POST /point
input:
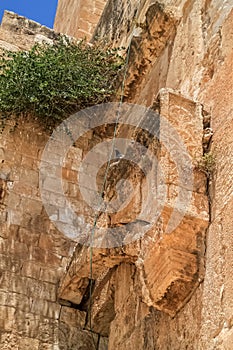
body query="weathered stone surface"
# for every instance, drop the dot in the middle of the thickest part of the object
(32, 251)
(183, 45)
(74, 318)
(103, 311)
(103, 344)
(197, 60)
(18, 32)
(192, 75)
(85, 16)
(168, 266)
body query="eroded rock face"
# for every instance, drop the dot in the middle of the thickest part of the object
(198, 62)
(33, 253)
(20, 33)
(167, 267)
(148, 294)
(196, 59)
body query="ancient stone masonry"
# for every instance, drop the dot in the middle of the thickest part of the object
(17, 32)
(163, 290)
(78, 18)
(187, 46)
(152, 30)
(33, 254)
(167, 267)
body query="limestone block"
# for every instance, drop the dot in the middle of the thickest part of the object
(7, 318)
(18, 284)
(72, 317)
(185, 120)
(55, 242)
(41, 39)
(30, 269)
(31, 206)
(85, 17)
(3, 298)
(39, 306)
(130, 310)
(27, 324)
(103, 344)
(37, 254)
(47, 274)
(74, 291)
(13, 201)
(20, 250)
(54, 310)
(19, 301)
(170, 276)
(53, 259)
(103, 304)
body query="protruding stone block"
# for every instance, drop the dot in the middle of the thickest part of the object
(170, 259)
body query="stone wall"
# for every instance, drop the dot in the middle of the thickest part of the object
(18, 32)
(33, 253)
(183, 45)
(155, 271)
(197, 61)
(78, 18)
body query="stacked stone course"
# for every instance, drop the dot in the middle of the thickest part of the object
(33, 254)
(181, 45)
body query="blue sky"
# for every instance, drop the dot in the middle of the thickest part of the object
(42, 11)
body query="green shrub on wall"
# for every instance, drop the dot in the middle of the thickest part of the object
(51, 82)
(206, 164)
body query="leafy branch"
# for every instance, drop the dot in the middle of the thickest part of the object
(51, 82)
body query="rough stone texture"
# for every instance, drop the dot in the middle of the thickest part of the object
(185, 45)
(17, 32)
(33, 254)
(167, 267)
(78, 18)
(197, 62)
(217, 296)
